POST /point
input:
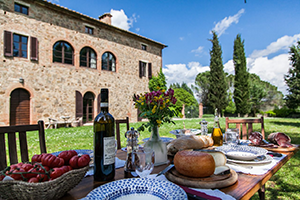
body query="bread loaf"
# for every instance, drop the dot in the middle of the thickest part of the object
(189, 142)
(194, 163)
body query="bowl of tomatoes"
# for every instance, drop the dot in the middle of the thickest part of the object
(47, 176)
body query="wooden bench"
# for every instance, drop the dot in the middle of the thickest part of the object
(55, 123)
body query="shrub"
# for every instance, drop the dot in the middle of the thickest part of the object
(270, 113)
(283, 112)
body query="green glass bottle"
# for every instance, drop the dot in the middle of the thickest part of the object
(104, 142)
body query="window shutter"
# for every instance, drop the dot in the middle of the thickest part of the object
(98, 102)
(79, 104)
(140, 69)
(8, 43)
(34, 48)
(149, 70)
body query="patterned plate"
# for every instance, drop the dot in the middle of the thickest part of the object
(138, 188)
(242, 152)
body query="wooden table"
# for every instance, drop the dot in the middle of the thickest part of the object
(244, 188)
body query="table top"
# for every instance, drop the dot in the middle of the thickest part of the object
(246, 186)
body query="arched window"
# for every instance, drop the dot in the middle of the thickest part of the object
(108, 62)
(88, 58)
(63, 52)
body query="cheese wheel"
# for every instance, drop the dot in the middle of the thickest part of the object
(194, 163)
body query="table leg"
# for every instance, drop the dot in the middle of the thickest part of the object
(261, 192)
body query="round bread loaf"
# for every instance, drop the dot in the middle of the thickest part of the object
(194, 163)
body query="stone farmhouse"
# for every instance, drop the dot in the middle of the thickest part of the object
(55, 61)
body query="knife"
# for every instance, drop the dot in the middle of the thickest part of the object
(165, 170)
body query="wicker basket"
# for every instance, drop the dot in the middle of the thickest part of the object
(45, 190)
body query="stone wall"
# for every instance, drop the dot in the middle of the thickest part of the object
(51, 85)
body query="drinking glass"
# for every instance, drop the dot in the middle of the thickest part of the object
(232, 136)
(144, 162)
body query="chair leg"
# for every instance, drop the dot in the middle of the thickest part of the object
(261, 192)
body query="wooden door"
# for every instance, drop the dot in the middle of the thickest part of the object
(88, 107)
(19, 107)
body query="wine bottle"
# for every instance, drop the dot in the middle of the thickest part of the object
(104, 142)
(217, 135)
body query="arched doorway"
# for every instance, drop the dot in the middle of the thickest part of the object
(88, 107)
(19, 107)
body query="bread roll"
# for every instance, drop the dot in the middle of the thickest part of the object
(194, 163)
(189, 142)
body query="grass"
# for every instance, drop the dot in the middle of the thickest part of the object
(285, 184)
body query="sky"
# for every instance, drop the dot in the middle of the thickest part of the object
(268, 27)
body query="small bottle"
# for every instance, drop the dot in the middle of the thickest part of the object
(132, 147)
(104, 142)
(203, 127)
(217, 135)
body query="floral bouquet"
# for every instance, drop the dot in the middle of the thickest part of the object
(157, 107)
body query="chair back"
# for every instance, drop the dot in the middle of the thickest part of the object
(118, 122)
(247, 126)
(12, 144)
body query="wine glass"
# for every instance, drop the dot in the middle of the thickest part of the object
(144, 162)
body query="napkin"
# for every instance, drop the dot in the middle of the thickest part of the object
(118, 164)
(205, 193)
(258, 169)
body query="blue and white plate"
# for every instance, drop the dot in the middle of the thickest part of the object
(138, 188)
(242, 152)
(79, 151)
(182, 132)
(166, 140)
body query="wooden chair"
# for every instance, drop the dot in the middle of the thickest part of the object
(246, 129)
(12, 145)
(118, 122)
(245, 132)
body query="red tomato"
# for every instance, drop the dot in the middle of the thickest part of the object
(37, 158)
(42, 177)
(33, 180)
(16, 174)
(52, 161)
(1, 177)
(67, 155)
(57, 172)
(27, 166)
(65, 168)
(79, 161)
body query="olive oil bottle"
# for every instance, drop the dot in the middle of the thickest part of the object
(217, 135)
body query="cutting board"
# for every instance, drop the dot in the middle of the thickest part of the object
(279, 149)
(211, 182)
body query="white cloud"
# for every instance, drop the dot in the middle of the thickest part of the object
(221, 26)
(179, 73)
(120, 19)
(271, 70)
(181, 38)
(198, 51)
(282, 43)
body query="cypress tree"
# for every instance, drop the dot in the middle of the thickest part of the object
(292, 79)
(241, 92)
(217, 94)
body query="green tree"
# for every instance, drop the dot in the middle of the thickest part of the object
(241, 92)
(217, 93)
(201, 87)
(257, 93)
(158, 82)
(292, 79)
(191, 104)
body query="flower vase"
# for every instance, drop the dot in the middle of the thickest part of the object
(158, 146)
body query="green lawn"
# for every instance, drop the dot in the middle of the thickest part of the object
(285, 184)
